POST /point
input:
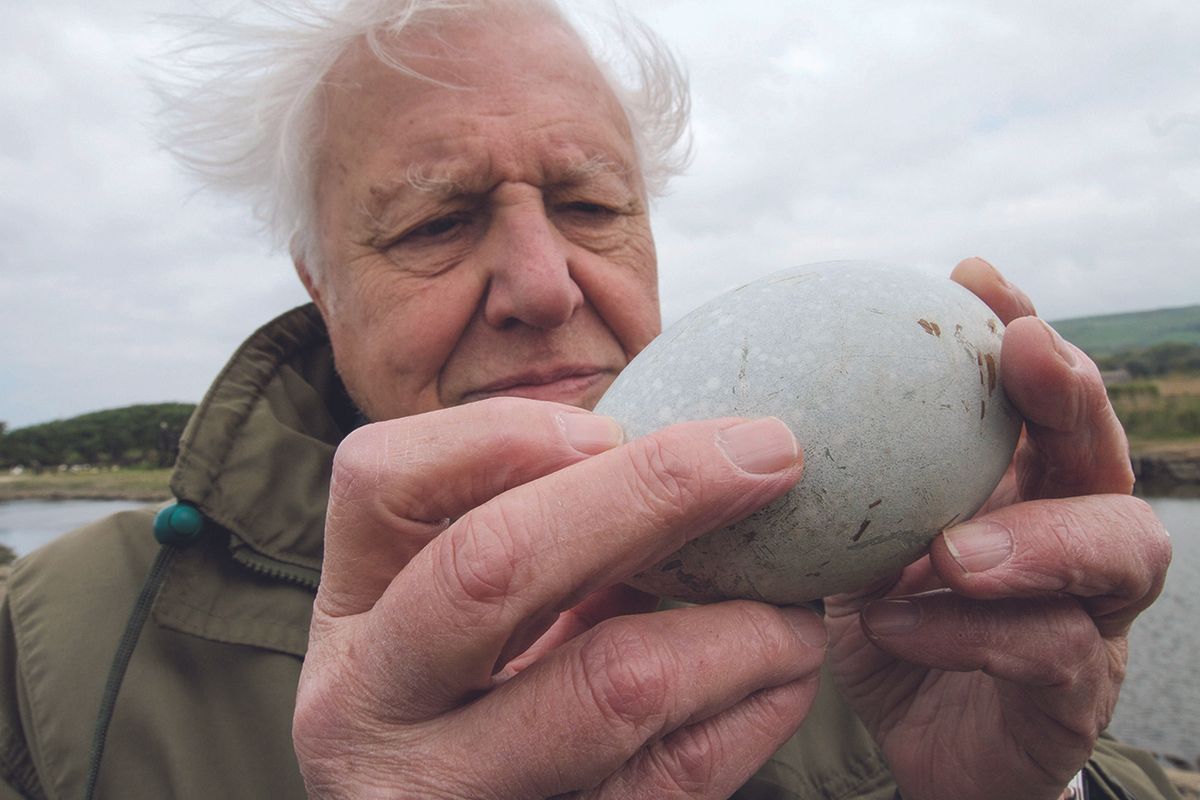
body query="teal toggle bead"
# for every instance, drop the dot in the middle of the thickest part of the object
(179, 524)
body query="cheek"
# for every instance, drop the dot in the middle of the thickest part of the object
(624, 292)
(392, 340)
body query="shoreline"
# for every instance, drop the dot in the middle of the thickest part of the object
(1167, 469)
(56, 495)
(133, 485)
(1162, 469)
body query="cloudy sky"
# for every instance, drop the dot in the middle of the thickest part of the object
(1060, 139)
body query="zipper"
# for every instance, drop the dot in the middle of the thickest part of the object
(273, 568)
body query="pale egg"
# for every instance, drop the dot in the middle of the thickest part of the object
(890, 380)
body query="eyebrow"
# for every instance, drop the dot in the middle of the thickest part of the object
(446, 183)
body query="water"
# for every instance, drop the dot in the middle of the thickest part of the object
(1160, 702)
(28, 524)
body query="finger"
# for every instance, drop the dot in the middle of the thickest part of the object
(505, 570)
(633, 681)
(615, 601)
(396, 484)
(1046, 646)
(916, 578)
(1075, 443)
(1109, 550)
(713, 758)
(986, 282)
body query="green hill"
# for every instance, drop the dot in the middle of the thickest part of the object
(1146, 343)
(141, 435)
(1140, 330)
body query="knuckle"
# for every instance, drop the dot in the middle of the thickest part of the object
(687, 763)
(663, 476)
(626, 677)
(502, 420)
(1149, 541)
(476, 565)
(358, 463)
(335, 734)
(519, 428)
(1061, 557)
(1068, 531)
(772, 712)
(503, 408)
(1078, 644)
(1148, 528)
(1117, 663)
(774, 640)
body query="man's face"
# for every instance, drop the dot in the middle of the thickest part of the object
(489, 237)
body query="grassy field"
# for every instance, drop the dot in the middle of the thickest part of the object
(1161, 416)
(1107, 334)
(130, 484)
(1161, 412)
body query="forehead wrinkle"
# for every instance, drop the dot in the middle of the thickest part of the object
(442, 182)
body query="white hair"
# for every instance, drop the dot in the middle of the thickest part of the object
(240, 94)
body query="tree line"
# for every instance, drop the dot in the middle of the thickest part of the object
(148, 435)
(134, 436)
(1150, 362)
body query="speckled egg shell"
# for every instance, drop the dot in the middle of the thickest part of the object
(890, 380)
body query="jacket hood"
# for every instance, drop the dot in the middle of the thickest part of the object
(256, 455)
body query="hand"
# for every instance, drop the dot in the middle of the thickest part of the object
(421, 679)
(989, 668)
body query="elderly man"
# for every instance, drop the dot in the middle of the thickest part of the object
(476, 240)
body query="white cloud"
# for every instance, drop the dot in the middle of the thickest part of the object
(1056, 139)
(1060, 139)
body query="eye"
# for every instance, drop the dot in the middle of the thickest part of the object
(586, 211)
(437, 228)
(591, 209)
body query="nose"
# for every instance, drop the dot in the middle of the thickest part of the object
(530, 277)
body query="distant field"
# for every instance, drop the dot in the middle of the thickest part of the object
(1110, 333)
(1155, 411)
(132, 484)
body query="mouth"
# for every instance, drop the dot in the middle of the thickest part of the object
(566, 385)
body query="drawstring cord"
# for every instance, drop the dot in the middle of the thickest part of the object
(116, 673)
(174, 527)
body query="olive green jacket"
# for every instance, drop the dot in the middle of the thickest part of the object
(206, 706)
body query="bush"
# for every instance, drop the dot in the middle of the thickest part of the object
(1161, 359)
(142, 435)
(1174, 417)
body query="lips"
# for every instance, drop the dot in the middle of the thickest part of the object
(564, 385)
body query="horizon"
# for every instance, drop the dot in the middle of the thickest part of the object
(1062, 146)
(11, 428)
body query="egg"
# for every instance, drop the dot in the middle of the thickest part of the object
(890, 380)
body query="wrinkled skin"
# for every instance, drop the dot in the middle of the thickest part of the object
(471, 636)
(997, 677)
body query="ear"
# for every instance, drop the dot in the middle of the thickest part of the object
(310, 285)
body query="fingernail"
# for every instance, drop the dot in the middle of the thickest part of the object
(890, 617)
(759, 447)
(979, 546)
(590, 433)
(1065, 351)
(807, 625)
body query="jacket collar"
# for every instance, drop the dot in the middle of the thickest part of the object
(257, 453)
